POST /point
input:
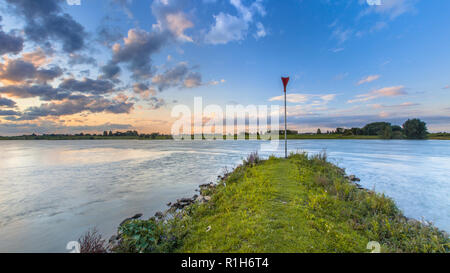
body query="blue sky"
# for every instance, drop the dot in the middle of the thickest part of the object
(96, 65)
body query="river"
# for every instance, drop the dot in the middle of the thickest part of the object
(51, 192)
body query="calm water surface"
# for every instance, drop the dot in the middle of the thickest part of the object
(53, 191)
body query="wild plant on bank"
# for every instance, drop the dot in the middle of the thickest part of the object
(92, 242)
(252, 159)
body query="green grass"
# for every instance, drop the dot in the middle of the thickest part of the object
(295, 205)
(330, 136)
(439, 136)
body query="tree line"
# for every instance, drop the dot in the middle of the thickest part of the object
(411, 129)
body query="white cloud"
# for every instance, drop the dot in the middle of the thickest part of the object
(261, 31)
(341, 35)
(177, 24)
(393, 8)
(228, 28)
(393, 91)
(74, 2)
(368, 79)
(303, 98)
(170, 17)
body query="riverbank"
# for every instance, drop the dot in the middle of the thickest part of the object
(296, 205)
(290, 137)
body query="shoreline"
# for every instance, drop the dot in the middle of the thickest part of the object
(186, 208)
(169, 139)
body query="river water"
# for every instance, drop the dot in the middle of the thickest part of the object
(51, 192)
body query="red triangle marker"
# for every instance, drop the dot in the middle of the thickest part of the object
(285, 82)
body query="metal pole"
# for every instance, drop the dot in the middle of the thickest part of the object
(285, 126)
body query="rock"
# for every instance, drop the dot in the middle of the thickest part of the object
(207, 198)
(200, 199)
(169, 204)
(353, 178)
(135, 217)
(159, 215)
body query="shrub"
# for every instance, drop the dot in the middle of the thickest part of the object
(252, 159)
(92, 242)
(147, 236)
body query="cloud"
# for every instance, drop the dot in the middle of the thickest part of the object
(37, 57)
(303, 98)
(172, 77)
(228, 28)
(137, 49)
(110, 71)
(65, 89)
(177, 24)
(76, 59)
(77, 104)
(5, 102)
(19, 70)
(368, 79)
(9, 113)
(446, 87)
(261, 31)
(45, 19)
(337, 50)
(144, 90)
(10, 43)
(192, 80)
(383, 92)
(43, 91)
(87, 85)
(402, 105)
(171, 18)
(178, 76)
(341, 35)
(155, 103)
(392, 8)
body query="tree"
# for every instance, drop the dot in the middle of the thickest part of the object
(105, 133)
(387, 132)
(376, 128)
(319, 132)
(110, 133)
(339, 130)
(415, 129)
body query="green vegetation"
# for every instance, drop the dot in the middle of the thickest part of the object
(441, 136)
(300, 204)
(412, 129)
(81, 136)
(415, 129)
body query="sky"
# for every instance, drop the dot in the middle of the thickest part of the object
(70, 66)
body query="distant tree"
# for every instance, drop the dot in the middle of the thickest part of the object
(415, 129)
(386, 133)
(319, 132)
(339, 130)
(396, 128)
(357, 131)
(375, 129)
(105, 133)
(110, 133)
